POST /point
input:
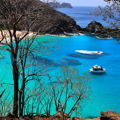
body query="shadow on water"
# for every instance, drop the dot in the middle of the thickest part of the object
(45, 61)
(71, 62)
(87, 56)
(104, 73)
(52, 63)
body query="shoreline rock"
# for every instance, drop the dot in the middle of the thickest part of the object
(109, 115)
(96, 29)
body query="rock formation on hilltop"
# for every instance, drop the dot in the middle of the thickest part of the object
(58, 5)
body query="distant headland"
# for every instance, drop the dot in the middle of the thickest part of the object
(58, 5)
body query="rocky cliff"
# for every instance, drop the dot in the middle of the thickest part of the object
(55, 22)
(43, 19)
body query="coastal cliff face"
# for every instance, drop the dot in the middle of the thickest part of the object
(54, 22)
(51, 21)
(58, 5)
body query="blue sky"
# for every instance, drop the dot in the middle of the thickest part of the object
(84, 2)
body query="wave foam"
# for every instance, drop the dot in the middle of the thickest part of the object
(88, 52)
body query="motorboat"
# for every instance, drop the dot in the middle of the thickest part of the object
(97, 69)
(68, 34)
(89, 52)
(80, 34)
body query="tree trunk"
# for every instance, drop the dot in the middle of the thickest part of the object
(23, 97)
(15, 77)
(20, 96)
(15, 104)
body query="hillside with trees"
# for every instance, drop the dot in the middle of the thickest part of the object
(50, 21)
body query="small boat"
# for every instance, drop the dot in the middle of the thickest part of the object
(80, 34)
(96, 69)
(68, 34)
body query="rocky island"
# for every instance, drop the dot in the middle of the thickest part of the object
(58, 5)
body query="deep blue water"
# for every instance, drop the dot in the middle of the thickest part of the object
(82, 15)
(106, 87)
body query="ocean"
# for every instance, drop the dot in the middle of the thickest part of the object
(105, 88)
(82, 15)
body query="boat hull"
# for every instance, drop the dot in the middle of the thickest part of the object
(97, 71)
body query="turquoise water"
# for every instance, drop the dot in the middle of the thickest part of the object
(105, 88)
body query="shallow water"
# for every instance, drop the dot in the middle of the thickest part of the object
(105, 88)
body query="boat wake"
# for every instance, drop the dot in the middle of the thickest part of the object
(89, 52)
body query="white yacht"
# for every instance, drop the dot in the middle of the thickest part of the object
(97, 69)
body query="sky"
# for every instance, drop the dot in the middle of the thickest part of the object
(84, 2)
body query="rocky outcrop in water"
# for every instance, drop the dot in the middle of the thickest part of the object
(58, 5)
(94, 27)
(66, 5)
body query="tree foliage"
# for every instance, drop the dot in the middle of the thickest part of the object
(70, 90)
(110, 13)
(22, 15)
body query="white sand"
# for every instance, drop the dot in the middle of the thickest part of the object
(18, 34)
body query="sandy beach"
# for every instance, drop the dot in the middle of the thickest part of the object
(18, 34)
